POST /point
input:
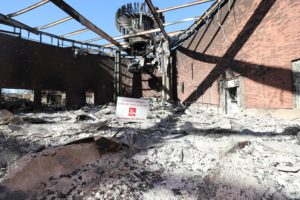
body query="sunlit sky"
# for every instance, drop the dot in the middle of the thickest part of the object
(100, 12)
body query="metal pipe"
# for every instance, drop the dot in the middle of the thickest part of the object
(28, 9)
(75, 32)
(54, 23)
(141, 33)
(145, 32)
(183, 6)
(84, 21)
(181, 21)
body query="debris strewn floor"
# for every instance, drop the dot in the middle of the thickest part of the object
(176, 154)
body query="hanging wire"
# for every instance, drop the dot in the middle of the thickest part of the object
(219, 20)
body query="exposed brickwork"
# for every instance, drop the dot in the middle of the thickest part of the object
(30, 65)
(137, 89)
(262, 39)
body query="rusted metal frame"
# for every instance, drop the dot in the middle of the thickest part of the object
(157, 19)
(183, 6)
(181, 21)
(137, 34)
(75, 32)
(145, 32)
(202, 19)
(54, 23)
(80, 18)
(69, 40)
(28, 9)
(14, 23)
(11, 22)
(10, 32)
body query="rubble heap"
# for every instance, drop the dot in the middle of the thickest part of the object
(178, 153)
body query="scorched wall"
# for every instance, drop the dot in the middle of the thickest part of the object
(254, 39)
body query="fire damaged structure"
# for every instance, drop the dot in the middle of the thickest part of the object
(238, 56)
(210, 111)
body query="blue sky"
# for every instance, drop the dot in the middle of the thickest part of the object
(100, 12)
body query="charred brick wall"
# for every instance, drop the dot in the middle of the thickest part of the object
(255, 39)
(30, 65)
(136, 84)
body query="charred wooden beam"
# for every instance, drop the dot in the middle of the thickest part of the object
(84, 21)
(157, 19)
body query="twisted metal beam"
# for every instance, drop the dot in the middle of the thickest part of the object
(157, 19)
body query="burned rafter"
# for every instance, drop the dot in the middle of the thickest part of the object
(157, 18)
(137, 34)
(11, 22)
(145, 32)
(34, 6)
(54, 23)
(84, 21)
(75, 32)
(14, 23)
(135, 9)
(183, 6)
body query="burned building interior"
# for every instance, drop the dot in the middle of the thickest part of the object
(207, 111)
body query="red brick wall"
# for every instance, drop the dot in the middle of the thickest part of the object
(140, 88)
(262, 39)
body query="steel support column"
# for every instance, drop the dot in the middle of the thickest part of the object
(117, 76)
(37, 102)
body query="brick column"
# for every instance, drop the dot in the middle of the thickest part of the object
(75, 99)
(37, 100)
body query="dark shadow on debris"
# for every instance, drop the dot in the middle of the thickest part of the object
(220, 132)
(7, 194)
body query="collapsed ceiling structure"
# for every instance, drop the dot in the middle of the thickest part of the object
(146, 42)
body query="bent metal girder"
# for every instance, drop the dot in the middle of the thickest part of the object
(84, 21)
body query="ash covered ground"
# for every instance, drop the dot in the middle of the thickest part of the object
(177, 153)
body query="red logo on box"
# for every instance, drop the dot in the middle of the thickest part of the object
(132, 112)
